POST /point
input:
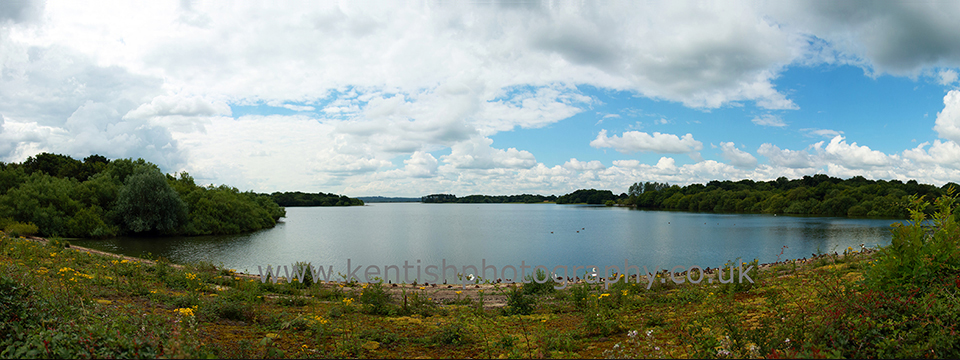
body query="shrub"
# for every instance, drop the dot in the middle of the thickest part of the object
(376, 299)
(919, 256)
(533, 287)
(519, 303)
(18, 229)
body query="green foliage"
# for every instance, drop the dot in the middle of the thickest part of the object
(532, 287)
(14, 307)
(100, 198)
(583, 196)
(811, 195)
(226, 210)
(376, 299)
(16, 229)
(147, 203)
(519, 303)
(920, 255)
(453, 333)
(43, 200)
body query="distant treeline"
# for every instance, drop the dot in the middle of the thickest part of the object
(57, 195)
(592, 196)
(499, 199)
(811, 195)
(319, 199)
(381, 199)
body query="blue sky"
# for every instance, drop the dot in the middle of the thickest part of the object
(413, 98)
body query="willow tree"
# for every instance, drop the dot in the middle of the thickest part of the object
(147, 203)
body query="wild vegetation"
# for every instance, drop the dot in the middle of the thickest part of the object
(900, 301)
(56, 195)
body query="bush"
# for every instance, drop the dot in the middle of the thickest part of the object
(533, 287)
(451, 334)
(18, 229)
(376, 299)
(519, 303)
(920, 256)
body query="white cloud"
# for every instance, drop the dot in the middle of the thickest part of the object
(945, 153)
(577, 165)
(477, 154)
(633, 141)
(786, 158)
(299, 107)
(900, 38)
(855, 157)
(737, 157)
(421, 165)
(948, 120)
(827, 133)
(400, 80)
(947, 77)
(769, 120)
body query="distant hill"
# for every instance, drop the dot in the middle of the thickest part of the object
(381, 199)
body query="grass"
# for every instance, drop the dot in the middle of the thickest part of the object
(58, 302)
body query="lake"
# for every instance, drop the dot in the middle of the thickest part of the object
(503, 235)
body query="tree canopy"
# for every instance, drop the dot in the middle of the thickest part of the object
(98, 197)
(810, 195)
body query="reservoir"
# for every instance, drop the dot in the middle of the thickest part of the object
(550, 235)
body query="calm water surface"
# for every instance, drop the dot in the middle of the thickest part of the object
(511, 234)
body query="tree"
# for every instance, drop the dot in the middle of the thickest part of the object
(147, 203)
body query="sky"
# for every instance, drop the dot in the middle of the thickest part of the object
(398, 98)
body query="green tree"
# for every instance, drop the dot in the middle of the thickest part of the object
(147, 203)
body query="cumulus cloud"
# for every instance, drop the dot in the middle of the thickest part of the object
(792, 159)
(421, 165)
(854, 157)
(900, 38)
(737, 157)
(633, 141)
(946, 153)
(372, 85)
(477, 154)
(948, 120)
(577, 165)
